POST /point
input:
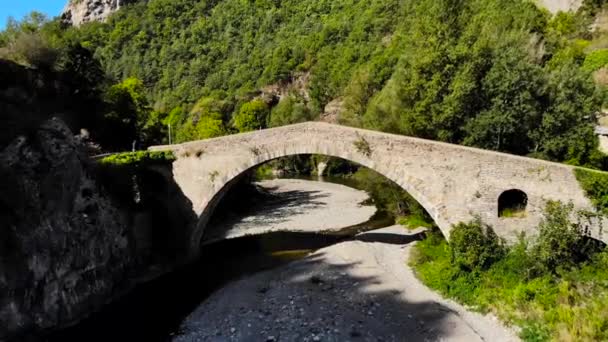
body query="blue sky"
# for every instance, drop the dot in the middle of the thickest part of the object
(19, 8)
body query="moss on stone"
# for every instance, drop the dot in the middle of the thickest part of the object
(138, 158)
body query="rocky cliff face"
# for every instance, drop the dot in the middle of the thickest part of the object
(64, 247)
(72, 237)
(78, 12)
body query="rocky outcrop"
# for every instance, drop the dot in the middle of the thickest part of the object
(75, 234)
(64, 247)
(555, 6)
(78, 12)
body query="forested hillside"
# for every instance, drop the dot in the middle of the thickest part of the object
(497, 74)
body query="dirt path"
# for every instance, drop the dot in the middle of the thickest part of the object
(359, 290)
(299, 206)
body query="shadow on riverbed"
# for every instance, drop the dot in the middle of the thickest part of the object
(156, 310)
(393, 239)
(318, 297)
(247, 200)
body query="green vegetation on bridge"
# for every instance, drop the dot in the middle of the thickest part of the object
(138, 158)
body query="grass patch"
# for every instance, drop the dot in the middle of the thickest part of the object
(563, 302)
(513, 213)
(414, 221)
(138, 158)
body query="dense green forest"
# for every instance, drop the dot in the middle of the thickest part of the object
(496, 74)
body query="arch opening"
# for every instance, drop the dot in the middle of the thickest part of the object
(292, 165)
(512, 204)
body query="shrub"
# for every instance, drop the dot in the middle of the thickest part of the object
(547, 304)
(474, 245)
(595, 184)
(35, 51)
(252, 116)
(561, 241)
(363, 146)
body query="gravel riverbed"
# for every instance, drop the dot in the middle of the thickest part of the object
(359, 290)
(299, 206)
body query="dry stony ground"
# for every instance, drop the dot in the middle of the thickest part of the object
(360, 290)
(299, 206)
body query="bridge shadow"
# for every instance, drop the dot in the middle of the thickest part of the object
(321, 296)
(389, 238)
(254, 206)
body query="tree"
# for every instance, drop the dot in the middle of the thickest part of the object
(251, 116)
(209, 125)
(128, 113)
(290, 110)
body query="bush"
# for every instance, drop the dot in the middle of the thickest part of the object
(474, 245)
(561, 242)
(595, 184)
(32, 49)
(252, 116)
(290, 110)
(525, 285)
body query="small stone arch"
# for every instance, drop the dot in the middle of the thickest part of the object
(512, 204)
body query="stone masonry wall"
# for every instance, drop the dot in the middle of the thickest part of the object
(453, 183)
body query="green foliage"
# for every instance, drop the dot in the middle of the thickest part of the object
(389, 196)
(33, 50)
(595, 185)
(512, 212)
(423, 68)
(252, 116)
(520, 286)
(290, 110)
(414, 221)
(263, 172)
(475, 246)
(362, 146)
(596, 60)
(31, 42)
(138, 158)
(208, 126)
(560, 241)
(128, 111)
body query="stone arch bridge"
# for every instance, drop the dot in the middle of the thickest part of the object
(453, 183)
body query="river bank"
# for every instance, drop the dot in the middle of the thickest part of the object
(357, 290)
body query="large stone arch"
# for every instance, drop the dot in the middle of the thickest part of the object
(453, 183)
(242, 169)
